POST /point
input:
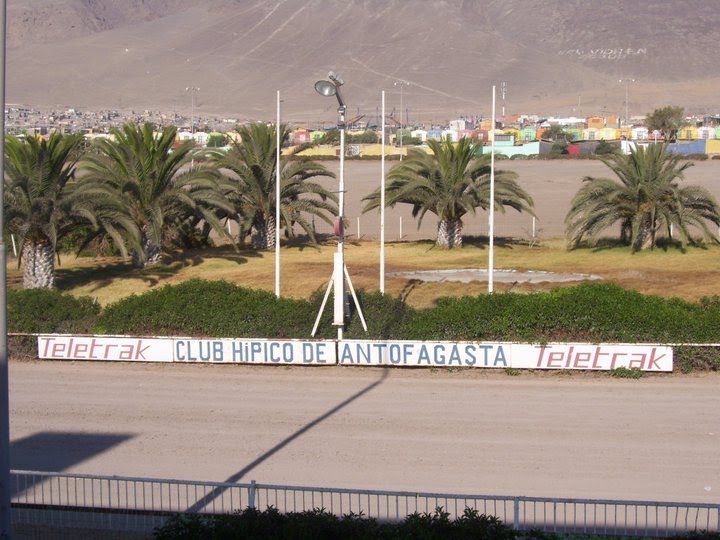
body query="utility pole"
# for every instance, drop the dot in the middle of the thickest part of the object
(503, 90)
(627, 99)
(193, 90)
(401, 84)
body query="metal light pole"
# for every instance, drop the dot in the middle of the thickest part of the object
(401, 84)
(491, 217)
(340, 306)
(192, 90)
(382, 200)
(627, 99)
(277, 199)
(503, 90)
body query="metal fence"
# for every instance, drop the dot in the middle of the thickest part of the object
(141, 504)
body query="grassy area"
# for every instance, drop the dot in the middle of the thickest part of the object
(306, 268)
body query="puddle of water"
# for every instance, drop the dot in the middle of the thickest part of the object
(508, 276)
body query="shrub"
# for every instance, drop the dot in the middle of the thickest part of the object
(319, 525)
(207, 308)
(588, 312)
(385, 316)
(592, 312)
(604, 148)
(626, 373)
(43, 311)
(49, 311)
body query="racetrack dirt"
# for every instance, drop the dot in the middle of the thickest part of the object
(551, 183)
(483, 432)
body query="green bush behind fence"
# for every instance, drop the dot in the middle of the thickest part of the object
(585, 313)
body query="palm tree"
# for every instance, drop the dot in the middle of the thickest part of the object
(160, 186)
(251, 166)
(44, 203)
(450, 182)
(644, 198)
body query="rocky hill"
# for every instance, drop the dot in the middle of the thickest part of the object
(558, 57)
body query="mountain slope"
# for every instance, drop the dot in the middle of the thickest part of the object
(557, 57)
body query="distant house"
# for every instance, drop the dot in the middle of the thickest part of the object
(590, 134)
(420, 134)
(639, 133)
(465, 134)
(688, 133)
(434, 134)
(512, 131)
(504, 139)
(300, 136)
(528, 134)
(201, 138)
(575, 134)
(459, 125)
(706, 132)
(609, 134)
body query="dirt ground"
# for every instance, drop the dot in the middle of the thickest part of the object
(551, 183)
(578, 435)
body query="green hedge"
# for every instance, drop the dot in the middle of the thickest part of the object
(318, 524)
(207, 309)
(44, 311)
(586, 313)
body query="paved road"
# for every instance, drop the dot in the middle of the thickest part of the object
(657, 438)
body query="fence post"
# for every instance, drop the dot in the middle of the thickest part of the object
(251, 494)
(516, 513)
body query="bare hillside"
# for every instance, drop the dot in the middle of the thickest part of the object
(557, 57)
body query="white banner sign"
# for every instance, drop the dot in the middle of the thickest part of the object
(255, 351)
(578, 356)
(424, 353)
(241, 351)
(593, 357)
(57, 347)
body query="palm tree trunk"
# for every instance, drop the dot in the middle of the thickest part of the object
(38, 264)
(150, 256)
(264, 231)
(449, 233)
(645, 236)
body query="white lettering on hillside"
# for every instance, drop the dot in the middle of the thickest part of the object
(612, 53)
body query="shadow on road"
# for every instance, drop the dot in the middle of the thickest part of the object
(217, 492)
(58, 451)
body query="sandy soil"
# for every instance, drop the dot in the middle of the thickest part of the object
(584, 435)
(552, 184)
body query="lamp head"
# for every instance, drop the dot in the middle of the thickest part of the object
(337, 79)
(325, 88)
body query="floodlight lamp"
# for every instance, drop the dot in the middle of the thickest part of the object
(325, 88)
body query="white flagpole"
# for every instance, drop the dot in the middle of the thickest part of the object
(491, 210)
(277, 199)
(382, 200)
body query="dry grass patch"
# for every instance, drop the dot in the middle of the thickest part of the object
(306, 269)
